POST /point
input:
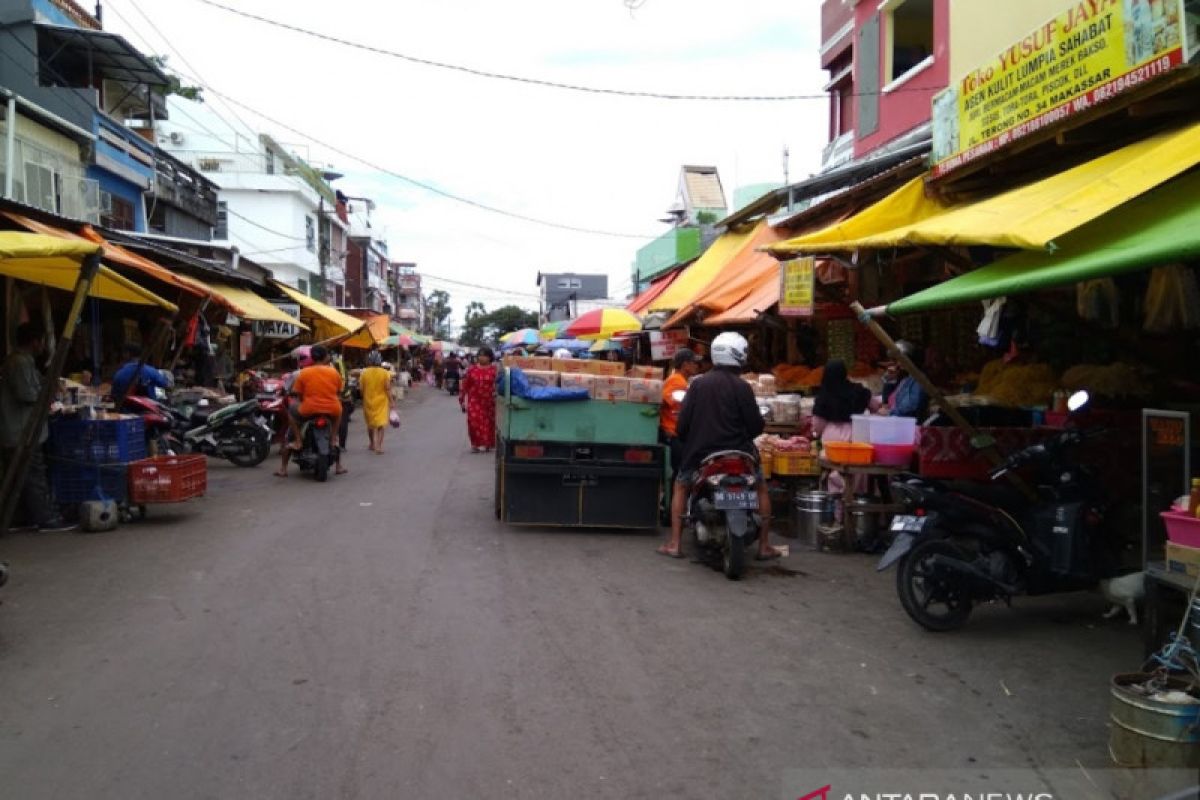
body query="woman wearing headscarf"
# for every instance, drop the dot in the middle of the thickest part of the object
(375, 384)
(838, 399)
(478, 400)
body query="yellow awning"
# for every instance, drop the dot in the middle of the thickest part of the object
(1029, 217)
(247, 305)
(376, 332)
(328, 322)
(700, 274)
(54, 262)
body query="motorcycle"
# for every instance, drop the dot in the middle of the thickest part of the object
(319, 448)
(451, 383)
(721, 510)
(271, 396)
(960, 544)
(237, 432)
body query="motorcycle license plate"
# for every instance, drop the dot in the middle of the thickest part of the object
(729, 500)
(579, 479)
(905, 524)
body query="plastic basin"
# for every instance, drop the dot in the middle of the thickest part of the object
(894, 455)
(1182, 528)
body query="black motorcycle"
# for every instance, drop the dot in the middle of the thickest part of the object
(962, 543)
(239, 432)
(722, 510)
(451, 383)
(319, 449)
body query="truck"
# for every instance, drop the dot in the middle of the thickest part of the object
(578, 463)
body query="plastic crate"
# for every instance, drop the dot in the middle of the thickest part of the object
(849, 452)
(75, 483)
(795, 463)
(168, 479)
(1182, 528)
(97, 441)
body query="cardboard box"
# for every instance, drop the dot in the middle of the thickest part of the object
(527, 363)
(612, 389)
(569, 365)
(648, 373)
(1183, 560)
(537, 377)
(645, 391)
(609, 369)
(573, 380)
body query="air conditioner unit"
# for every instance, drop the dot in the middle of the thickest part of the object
(177, 138)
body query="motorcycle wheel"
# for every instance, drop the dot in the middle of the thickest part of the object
(733, 558)
(260, 448)
(321, 468)
(922, 585)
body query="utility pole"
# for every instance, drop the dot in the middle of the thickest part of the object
(786, 154)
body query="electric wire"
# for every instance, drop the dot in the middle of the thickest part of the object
(482, 73)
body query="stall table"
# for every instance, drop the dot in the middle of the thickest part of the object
(1163, 590)
(850, 470)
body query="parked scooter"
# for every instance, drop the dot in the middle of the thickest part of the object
(271, 396)
(319, 448)
(960, 543)
(237, 433)
(721, 510)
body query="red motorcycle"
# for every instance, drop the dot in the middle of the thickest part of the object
(722, 508)
(271, 395)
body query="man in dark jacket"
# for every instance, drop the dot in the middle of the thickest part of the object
(719, 413)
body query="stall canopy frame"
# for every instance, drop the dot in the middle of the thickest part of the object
(54, 262)
(1030, 217)
(1158, 228)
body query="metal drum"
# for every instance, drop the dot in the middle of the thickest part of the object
(1149, 732)
(811, 510)
(864, 523)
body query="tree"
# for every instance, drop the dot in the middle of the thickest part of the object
(437, 316)
(484, 326)
(176, 86)
(472, 333)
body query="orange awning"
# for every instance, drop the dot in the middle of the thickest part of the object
(376, 332)
(113, 253)
(737, 279)
(764, 295)
(656, 287)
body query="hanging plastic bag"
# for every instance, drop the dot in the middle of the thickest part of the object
(1099, 301)
(1172, 300)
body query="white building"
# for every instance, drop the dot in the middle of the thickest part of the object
(274, 208)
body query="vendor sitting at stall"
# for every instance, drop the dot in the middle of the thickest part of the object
(902, 394)
(136, 377)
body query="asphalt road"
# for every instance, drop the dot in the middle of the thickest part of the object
(381, 636)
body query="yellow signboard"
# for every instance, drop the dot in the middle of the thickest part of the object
(797, 277)
(1091, 52)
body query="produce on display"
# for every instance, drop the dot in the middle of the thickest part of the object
(1017, 385)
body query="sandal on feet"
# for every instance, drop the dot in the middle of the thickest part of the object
(770, 555)
(279, 474)
(663, 550)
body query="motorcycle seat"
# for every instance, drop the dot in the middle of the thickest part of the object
(998, 495)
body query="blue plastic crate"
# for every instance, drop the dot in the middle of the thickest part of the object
(97, 441)
(76, 483)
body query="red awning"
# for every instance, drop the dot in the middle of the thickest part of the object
(657, 286)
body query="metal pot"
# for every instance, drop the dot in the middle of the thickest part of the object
(811, 510)
(864, 523)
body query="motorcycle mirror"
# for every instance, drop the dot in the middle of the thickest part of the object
(1078, 400)
(678, 395)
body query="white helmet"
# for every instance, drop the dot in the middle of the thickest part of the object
(562, 352)
(729, 350)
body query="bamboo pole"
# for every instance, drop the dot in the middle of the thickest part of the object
(14, 474)
(979, 441)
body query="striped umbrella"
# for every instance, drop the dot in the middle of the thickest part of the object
(521, 338)
(606, 346)
(553, 330)
(603, 323)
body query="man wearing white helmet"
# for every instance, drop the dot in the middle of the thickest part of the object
(719, 412)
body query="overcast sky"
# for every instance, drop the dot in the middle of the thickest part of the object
(585, 160)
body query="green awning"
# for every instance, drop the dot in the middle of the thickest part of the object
(1160, 227)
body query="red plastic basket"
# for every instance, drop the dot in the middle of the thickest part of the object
(167, 479)
(1182, 528)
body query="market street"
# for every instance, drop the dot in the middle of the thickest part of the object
(382, 636)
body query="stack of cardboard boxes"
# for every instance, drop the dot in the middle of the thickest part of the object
(604, 380)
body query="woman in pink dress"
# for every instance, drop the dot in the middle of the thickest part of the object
(477, 396)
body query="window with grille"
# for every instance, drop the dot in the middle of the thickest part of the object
(116, 212)
(221, 231)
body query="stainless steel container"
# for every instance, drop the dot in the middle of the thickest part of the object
(811, 510)
(865, 524)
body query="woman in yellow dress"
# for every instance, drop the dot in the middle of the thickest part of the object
(375, 385)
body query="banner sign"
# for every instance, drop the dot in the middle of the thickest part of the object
(1089, 54)
(270, 329)
(663, 344)
(796, 280)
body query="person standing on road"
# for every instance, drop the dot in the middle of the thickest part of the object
(718, 413)
(686, 366)
(375, 385)
(20, 387)
(478, 401)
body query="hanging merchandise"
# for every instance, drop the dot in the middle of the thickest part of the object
(1172, 299)
(1098, 301)
(989, 328)
(911, 328)
(840, 336)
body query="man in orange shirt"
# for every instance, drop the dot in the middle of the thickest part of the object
(319, 388)
(686, 366)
